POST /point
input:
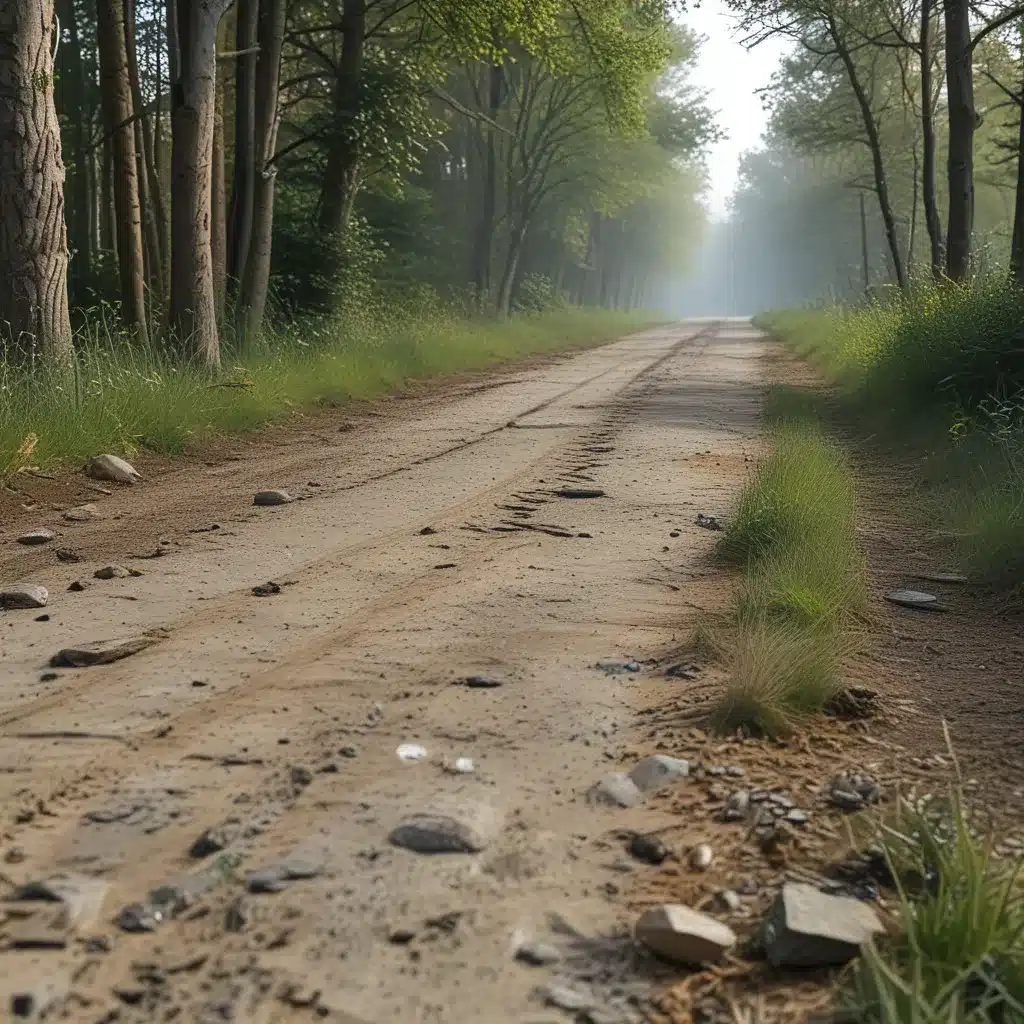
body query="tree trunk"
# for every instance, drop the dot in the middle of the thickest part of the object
(34, 319)
(245, 139)
(960, 165)
(341, 176)
(483, 247)
(154, 216)
(108, 218)
(1017, 241)
(253, 296)
(218, 207)
(928, 190)
(118, 123)
(78, 195)
(877, 161)
(193, 317)
(515, 247)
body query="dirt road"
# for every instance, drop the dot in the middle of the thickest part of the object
(431, 544)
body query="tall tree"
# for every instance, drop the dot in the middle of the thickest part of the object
(242, 195)
(193, 313)
(119, 124)
(960, 163)
(34, 318)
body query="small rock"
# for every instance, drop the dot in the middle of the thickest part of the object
(538, 954)
(737, 807)
(797, 817)
(77, 587)
(215, 839)
(707, 522)
(580, 492)
(648, 848)
(567, 998)
(615, 790)
(301, 776)
(808, 928)
(682, 671)
(701, 857)
(467, 827)
(912, 598)
(268, 499)
(238, 915)
(427, 531)
(267, 589)
(14, 855)
(24, 595)
(411, 752)
(110, 467)
(749, 887)
(728, 900)
(100, 653)
(267, 880)
(112, 572)
(483, 683)
(655, 772)
(81, 514)
(349, 752)
(618, 668)
(137, 917)
(35, 537)
(68, 556)
(684, 935)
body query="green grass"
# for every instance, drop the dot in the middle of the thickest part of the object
(958, 957)
(794, 534)
(938, 375)
(121, 399)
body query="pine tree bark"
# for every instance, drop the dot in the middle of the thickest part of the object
(933, 223)
(256, 279)
(218, 207)
(193, 313)
(960, 164)
(116, 96)
(34, 318)
(244, 182)
(483, 247)
(341, 176)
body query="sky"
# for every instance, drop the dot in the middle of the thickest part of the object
(730, 75)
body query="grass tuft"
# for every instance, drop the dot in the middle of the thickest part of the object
(794, 533)
(121, 399)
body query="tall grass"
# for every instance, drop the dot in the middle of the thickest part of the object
(959, 955)
(794, 534)
(943, 370)
(121, 398)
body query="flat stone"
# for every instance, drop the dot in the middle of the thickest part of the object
(278, 876)
(137, 917)
(738, 806)
(112, 572)
(655, 772)
(684, 935)
(483, 682)
(102, 652)
(110, 467)
(82, 514)
(911, 598)
(566, 997)
(35, 537)
(580, 492)
(648, 848)
(538, 954)
(24, 595)
(463, 827)
(615, 790)
(215, 839)
(268, 499)
(808, 928)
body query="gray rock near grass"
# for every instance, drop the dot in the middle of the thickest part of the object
(268, 499)
(684, 935)
(110, 467)
(655, 772)
(467, 827)
(809, 928)
(615, 790)
(36, 537)
(24, 595)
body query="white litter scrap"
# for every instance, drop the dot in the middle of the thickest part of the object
(411, 752)
(464, 765)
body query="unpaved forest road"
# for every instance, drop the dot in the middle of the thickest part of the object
(114, 771)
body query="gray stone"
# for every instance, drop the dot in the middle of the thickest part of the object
(483, 683)
(797, 817)
(102, 652)
(808, 928)
(737, 807)
(278, 876)
(35, 537)
(615, 790)
(112, 572)
(24, 595)
(654, 772)
(110, 467)
(301, 776)
(648, 848)
(911, 598)
(215, 839)
(81, 897)
(464, 827)
(567, 998)
(238, 915)
(268, 499)
(728, 900)
(701, 857)
(538, 954)
(137, 917)
(684, 935)
(82, 514)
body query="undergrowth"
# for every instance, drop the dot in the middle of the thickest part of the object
(940, 373)
(957, 956)
(794, 534)
(121, 398)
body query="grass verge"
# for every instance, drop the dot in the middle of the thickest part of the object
(122, 399)
(794, 535)
(959, 953)
(938, 375)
